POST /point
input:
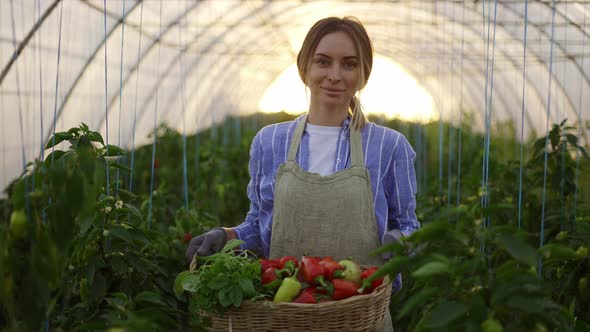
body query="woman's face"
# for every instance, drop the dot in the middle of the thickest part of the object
(335, 71)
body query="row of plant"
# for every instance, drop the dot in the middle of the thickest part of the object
(78, 252)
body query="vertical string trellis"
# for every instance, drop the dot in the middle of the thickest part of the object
(460, 109)
(155, 132)
(41, 145)
(20, 111)
(440, 122)
(135, 101)
(182, 87)
(61, 5)
(542, 235)
(580, 123)
(106, 96)
(486, 37)
(563, 146)
(3, 137)
(489, 113)
(120, 94)
(526, 17)
(451, 131)
(37, 48)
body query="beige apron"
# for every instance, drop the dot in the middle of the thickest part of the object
(325, 215)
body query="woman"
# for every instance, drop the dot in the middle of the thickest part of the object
(328, 183)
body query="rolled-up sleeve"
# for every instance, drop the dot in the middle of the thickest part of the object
(249, 230)
(401, 189)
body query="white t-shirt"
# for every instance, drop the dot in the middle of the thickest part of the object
(322, 148)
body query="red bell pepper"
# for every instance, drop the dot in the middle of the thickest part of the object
(269, 275)
(311, 271)
(332, 269)
(266, 263)
(306, 296)
(270, 279)
(342, 289)
(374, 283)
(283, 261)
(187, 238)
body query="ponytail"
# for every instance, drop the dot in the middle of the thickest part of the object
(358, 117)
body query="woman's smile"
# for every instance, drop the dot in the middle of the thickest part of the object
(333, 92)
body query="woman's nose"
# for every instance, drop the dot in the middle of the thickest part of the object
(334, 74)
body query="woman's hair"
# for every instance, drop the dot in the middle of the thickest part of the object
(356, 31)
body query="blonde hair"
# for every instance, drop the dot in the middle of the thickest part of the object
(356, 31)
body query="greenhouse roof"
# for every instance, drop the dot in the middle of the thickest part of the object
(124, 67)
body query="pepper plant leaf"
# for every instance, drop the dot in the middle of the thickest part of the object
(517, 248)
(445, 313)
(431, 269)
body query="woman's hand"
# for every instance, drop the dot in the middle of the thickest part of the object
(206, 244)
(209, 243)
(393, 236)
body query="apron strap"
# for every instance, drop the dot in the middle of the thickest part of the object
(356, 148)
(296, 138)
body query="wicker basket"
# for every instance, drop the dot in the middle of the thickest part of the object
(357, 313)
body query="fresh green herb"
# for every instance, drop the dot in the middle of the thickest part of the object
(222, 280)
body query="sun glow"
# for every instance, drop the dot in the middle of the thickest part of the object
(391, 92)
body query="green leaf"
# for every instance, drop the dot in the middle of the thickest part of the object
(125, 194)
(113, 150)
(431, 269)
(247, 287)
(418, 299)
(18, 194)
(55, 155)
(517, 248)
(557, 252)
(236, 296)
(572, 139)
(581, 326)
(219, 282)
(230, 245)
(84, 126)
(224, 297)
(121, 233)
(120, 166)
(190, 282)
(150, 298)
(431, 231)
(76, 193)
(57, 138)
(128, 233)
(445, 313)
(583, 150)
(133, 210)
(95, 137)
(392, 267)
(99, 288)
(524, 303)
(394, 247)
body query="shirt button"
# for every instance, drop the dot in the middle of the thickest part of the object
(343, 137)
(338, 161)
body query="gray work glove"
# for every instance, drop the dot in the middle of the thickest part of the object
(393, 236)
(206, 244)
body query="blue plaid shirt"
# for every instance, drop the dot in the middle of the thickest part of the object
(388, 157)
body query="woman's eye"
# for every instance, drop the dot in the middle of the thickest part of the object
(322, 62)
(350, 65)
